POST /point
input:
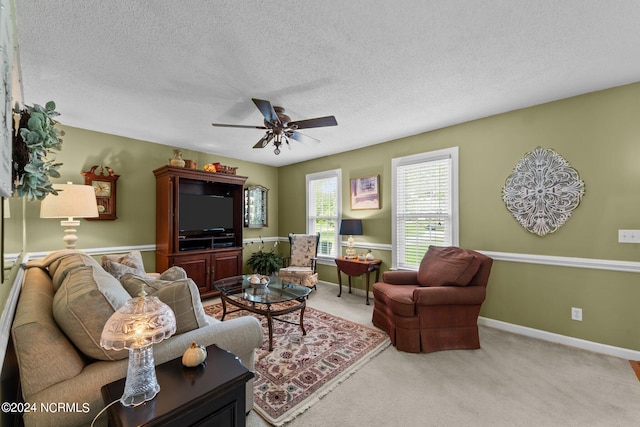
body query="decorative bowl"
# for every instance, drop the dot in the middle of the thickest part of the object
(258, 281)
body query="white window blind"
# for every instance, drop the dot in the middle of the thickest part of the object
(425, 205)
(324, 209)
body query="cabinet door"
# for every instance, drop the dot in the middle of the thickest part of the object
(198, 268)
(227, 264)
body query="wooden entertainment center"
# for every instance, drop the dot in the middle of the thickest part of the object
(206, 255)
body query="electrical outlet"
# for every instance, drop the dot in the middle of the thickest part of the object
(576, 314)
(628, 236)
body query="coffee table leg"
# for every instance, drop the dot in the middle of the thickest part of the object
(304, 332)
(339, 282)
(270, 323)
(224, 309)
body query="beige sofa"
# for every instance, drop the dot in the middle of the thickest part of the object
(64, 300)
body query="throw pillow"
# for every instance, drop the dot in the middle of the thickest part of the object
(83, 304)
(60, 263)
(173, 273)
(447, 266)
(181, 296)
(123, 264)
(133, 284)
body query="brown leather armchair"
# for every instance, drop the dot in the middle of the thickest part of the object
(434, 308)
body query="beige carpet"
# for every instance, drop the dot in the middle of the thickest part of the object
(511, 381)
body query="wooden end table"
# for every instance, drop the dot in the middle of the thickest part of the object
(210, 394)
(353, 267)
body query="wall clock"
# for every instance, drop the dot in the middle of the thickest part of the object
(104, 185)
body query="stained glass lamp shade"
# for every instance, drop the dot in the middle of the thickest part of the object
(136, 326)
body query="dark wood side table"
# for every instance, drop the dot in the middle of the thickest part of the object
(353, 267)
(209, 394)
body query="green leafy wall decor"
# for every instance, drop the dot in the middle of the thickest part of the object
(34, 142)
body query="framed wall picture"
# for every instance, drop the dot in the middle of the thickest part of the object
(365, 192)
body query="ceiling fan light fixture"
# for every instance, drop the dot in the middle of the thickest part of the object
(279, 126)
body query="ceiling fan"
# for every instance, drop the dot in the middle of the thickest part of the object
(280, 128)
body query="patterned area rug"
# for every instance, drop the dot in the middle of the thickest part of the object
(303, 368)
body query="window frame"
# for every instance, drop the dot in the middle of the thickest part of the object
(447, 153)
(310, 223)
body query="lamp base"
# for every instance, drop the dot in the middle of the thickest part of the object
(70, 237)
(141, 384)
(351, 251)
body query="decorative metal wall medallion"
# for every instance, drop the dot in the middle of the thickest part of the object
(542, 191)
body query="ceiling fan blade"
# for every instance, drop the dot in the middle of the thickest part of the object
(314, 123)
(237, 126)
(300, 137)
(267, 110)
(264, 141)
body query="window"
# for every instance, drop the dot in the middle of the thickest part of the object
(324, 207)
(425, 205)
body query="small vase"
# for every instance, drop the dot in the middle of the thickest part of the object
(369, 256)
(177, 160)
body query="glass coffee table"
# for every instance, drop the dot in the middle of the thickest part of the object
(277, 298)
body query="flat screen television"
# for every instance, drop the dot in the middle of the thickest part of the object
(201, 212)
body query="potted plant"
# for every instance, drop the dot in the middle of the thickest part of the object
(265, 263)
(33, 143)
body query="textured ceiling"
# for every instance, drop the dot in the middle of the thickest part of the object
(163, 70)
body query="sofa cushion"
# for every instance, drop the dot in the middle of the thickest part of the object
(117, 265)
(398, 298)
(447, 266)
(83, 304)
(181, 296)
(59, 264)
(39, 343)
(300, 275)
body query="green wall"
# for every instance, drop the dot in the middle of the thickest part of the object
(598, 134)
(134, 161)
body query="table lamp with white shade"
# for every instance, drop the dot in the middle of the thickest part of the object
(72, 201)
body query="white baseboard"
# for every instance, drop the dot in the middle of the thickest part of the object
(623, 353)
(354, 290)
(609, 350)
